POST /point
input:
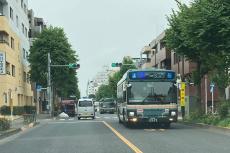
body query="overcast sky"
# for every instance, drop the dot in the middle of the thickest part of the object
(104, 31)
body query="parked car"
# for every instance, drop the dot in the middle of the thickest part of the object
(85, 108)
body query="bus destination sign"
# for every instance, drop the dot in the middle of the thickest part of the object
(149, 75)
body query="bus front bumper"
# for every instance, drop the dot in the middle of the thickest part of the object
(157, 119)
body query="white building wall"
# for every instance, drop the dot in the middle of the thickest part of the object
(22, 14)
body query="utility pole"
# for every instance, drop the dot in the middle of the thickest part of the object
(49, 92)
(49, 89)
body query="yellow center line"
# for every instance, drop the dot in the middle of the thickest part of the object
(126, 141)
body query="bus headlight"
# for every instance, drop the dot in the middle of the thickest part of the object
(173, 113)
(131, 114)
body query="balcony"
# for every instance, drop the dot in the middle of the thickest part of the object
(146, 50)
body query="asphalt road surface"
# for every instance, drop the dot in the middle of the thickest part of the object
(106, 135)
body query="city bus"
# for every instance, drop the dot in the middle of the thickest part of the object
(147, 96)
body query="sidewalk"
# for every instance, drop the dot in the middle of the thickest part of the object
(17, 125)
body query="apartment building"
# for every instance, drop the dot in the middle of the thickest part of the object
(36, 26)
(158, 56)
(15, 86)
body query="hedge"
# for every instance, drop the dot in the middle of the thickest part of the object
(4, 124)
(18, 110)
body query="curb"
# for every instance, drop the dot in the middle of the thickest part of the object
(202, 125)
(9, 133)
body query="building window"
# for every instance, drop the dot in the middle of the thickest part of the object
(12, 43)
(22, 2)
(7, 68)
(13, 70)
(24, 53)
(5, 97)
(24, 76)
(23, 28)
(1, 8)
(25, 8)
(176, 58)
(26, 31)
(11, 13)
(162, 44)
(17, 20)
(27, 55)
(4, 37)
(28, 78)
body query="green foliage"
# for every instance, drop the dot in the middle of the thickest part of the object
(104, 91)
(53, 40)
(110, 90)
(4, 124)
(125, 68)
(223, 109)
(220, 119)
(113, 83)
(92, 96)
(201, 33)
(225, 122)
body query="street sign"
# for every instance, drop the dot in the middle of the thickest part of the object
(212, 85)
(182, 94)
(74, 65)
(2, 63)
(38, 87)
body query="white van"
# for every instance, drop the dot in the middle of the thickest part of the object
(85, 108)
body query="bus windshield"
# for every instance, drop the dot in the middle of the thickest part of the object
(152, 92)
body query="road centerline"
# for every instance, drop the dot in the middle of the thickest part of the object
(126, 141)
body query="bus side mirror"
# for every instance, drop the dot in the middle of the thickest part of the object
(129, 85)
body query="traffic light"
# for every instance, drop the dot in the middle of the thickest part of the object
(74, 66)
(116, 64)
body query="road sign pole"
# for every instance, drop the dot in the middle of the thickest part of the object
(206, 96)
(212, 104)
(49, 94)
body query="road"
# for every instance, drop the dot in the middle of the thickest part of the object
(106, 135)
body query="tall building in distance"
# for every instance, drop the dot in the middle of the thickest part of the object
(102, 78)
(15, 86)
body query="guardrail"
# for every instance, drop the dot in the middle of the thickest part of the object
(29, 118)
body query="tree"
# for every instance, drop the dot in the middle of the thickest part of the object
(53, 40)
(110, 90)
(127, 64)
(113, 80)
(92, 96)
(201, 34)
(103, 91)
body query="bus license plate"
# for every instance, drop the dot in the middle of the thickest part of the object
(152, 120)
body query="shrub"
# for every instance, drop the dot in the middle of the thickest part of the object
(4, 124)
(5, 110)
(225, 122)
(223, 108)
(18, 110)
